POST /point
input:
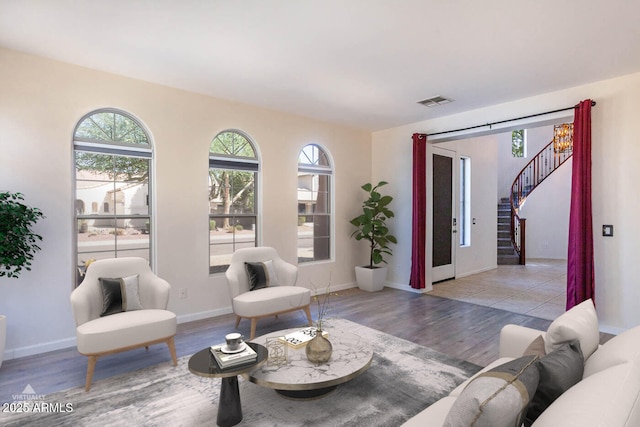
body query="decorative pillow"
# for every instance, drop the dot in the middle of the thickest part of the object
(579, 323)
(111, 296)
(119, 294)
(536, 348)
(273, 279)
(559, 371)
(498, 397)
(261, 274)
(132, 300)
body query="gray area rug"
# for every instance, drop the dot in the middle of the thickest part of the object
(403, 379)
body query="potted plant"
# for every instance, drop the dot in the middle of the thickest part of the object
(371, 226)
(18, 242)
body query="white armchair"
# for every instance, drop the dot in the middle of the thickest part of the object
(140, 320)
(280, 296)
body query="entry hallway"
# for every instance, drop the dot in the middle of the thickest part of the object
(536, 289)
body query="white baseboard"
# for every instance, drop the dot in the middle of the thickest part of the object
(30, 350)
(611, 330)
(482, 270)
(191, 317)
(14, 353)
(405, 287)
(335, 288)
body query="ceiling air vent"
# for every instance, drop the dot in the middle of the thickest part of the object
(435, 100)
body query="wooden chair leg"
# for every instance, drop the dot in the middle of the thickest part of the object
(171, 343)
(91, 367)
(254, 323)
(238, 321)
(307, 310)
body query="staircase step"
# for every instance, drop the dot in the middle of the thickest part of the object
(508, 260)
(506, 250)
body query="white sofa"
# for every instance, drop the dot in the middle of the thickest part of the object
(607, 396)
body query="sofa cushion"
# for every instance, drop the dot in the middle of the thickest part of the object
(559, 371)
(269, 300)
(579, 323)
(606, 398)
(496, 398)
(126, 329)
(619, 349)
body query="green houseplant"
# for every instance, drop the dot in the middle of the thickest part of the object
(371, 226)
(18, 243)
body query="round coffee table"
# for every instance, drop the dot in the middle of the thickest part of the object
(229, 406)
(301, 379)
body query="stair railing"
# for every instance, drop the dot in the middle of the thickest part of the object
(537, 170)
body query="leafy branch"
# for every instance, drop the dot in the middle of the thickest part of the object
(18, 242)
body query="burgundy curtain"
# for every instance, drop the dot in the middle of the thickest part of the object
(418, 222)
(580, 276)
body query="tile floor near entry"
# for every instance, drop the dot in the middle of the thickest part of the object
(537, 289)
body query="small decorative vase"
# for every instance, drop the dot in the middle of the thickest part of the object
(319, 349)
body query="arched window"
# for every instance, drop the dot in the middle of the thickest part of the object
(314, 204)
(233, 213)
(113, 157)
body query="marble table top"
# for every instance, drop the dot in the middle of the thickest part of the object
(351, 356)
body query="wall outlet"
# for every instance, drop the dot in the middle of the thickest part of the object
(182, 293)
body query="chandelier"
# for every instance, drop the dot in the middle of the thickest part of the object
(563, 137)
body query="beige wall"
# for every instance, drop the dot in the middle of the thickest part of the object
(41, 101)
(615, 150)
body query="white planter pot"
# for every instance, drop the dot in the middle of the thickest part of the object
(3, 336)
(371, 279)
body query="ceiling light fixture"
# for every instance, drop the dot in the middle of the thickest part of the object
(563, 137)
(434, 101)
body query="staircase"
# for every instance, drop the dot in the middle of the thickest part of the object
(507, 255)
(537, 170)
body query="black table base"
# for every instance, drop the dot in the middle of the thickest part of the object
(306, 394)
(229, 407)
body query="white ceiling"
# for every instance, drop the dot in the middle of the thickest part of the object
(360, 63)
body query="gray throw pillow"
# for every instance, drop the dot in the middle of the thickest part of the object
(111, 296)
(119, 294)
(559, 371)
(496, 398)
(261, 274)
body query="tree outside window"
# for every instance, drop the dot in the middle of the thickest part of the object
(518, 143)
(233, 173)
(314, 204)
(113, 154)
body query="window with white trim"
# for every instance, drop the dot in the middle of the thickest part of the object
(314, 204)
(519, 143)
(465, 201)
(113, 159)
(233, 212)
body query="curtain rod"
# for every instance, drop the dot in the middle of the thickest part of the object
(593, 103)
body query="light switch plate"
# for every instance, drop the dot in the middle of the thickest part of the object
(607, 230)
